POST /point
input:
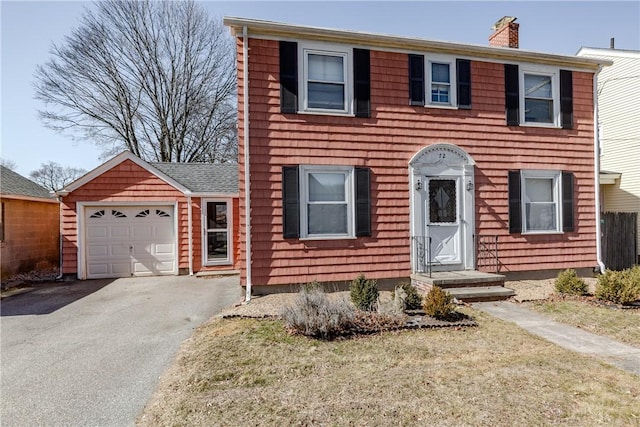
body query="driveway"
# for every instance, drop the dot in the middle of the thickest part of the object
(91, 353)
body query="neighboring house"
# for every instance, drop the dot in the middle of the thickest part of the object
(619, 131)
(384, 155)
(129, 217)
(29, 225)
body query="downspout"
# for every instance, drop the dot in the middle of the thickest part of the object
(59, 276)
(247, 175)
(596, 161)
(190, 232)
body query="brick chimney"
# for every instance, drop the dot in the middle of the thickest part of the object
(505, 33)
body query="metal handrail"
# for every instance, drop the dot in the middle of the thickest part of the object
(421, 247)
(487, 252)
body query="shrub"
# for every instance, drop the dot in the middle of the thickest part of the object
(413, 300)
(314, 314)
(569, 283)
(364, 293)
(438, 303)
(619, 287)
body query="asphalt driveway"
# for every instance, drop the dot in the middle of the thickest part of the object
(91, 353)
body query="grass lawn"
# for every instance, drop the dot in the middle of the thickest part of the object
(245, 372)
(619, 324)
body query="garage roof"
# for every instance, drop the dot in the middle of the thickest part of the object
(13, 184)
(202, 177)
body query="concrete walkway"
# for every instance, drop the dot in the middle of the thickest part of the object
(613, 352)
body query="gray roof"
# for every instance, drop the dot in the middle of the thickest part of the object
(15, 184)
(203, 177)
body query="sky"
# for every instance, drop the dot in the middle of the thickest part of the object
(28, 29)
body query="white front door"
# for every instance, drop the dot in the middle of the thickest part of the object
(443, 220)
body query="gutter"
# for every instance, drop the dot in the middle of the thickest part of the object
(247, 174)
(596, 161)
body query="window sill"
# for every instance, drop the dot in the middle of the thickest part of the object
(541, 233)
(541, 125)
(442, 107)
(326, 113)
(316, 238)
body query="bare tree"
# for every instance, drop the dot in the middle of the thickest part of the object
(53, 176)
(154, 77)
(9, 164)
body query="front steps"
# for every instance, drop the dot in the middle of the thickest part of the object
(466, 286)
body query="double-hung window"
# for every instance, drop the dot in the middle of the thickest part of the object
(327, 201)
(540, 197)
(325, 80)
(538, 99)
(541, 201)
(442, 92)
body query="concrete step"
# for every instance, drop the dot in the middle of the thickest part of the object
(481, 293)
(455, 279)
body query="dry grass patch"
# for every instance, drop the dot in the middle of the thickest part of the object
(251, 372)
(616, 323)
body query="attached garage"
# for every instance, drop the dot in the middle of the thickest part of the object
(132, 218)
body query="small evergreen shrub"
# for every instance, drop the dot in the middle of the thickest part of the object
(569, 283)
(619, 287)
(438, 303)
(413, 300)
(315, 315)
(364, 293)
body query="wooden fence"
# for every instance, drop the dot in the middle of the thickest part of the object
(619, 239)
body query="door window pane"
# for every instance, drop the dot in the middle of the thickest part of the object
(216, 245)
(442, 200)
(216, 215)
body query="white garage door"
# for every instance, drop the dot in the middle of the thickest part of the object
(123, 241)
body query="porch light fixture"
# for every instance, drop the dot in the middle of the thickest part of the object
(418, 185)
(469, 185)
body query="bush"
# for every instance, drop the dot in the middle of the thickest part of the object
(569, 283)
(413, 300)
(364, 293)
(438, 303)
(619, 287)
(314, 314)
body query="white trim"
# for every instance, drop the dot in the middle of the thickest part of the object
(596, 170)
(113, 162)
(346, 53)
(204, 230)
(277, 30)
(453, 81)
(553, 73)
(348, 172)
(81, 270)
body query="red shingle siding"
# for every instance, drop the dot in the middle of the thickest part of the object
(385, 142)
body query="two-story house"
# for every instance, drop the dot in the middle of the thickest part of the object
(387, 156)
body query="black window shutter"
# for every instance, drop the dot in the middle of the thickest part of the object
(416, 79)
(515, 203)
(288, 77)
(290, 203)
(567, 202)
(363, 202)
(512, 94)
(566, 98)
(463, 68)
(362, 82)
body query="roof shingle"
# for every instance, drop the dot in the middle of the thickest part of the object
(15, 184)
(203, 177)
